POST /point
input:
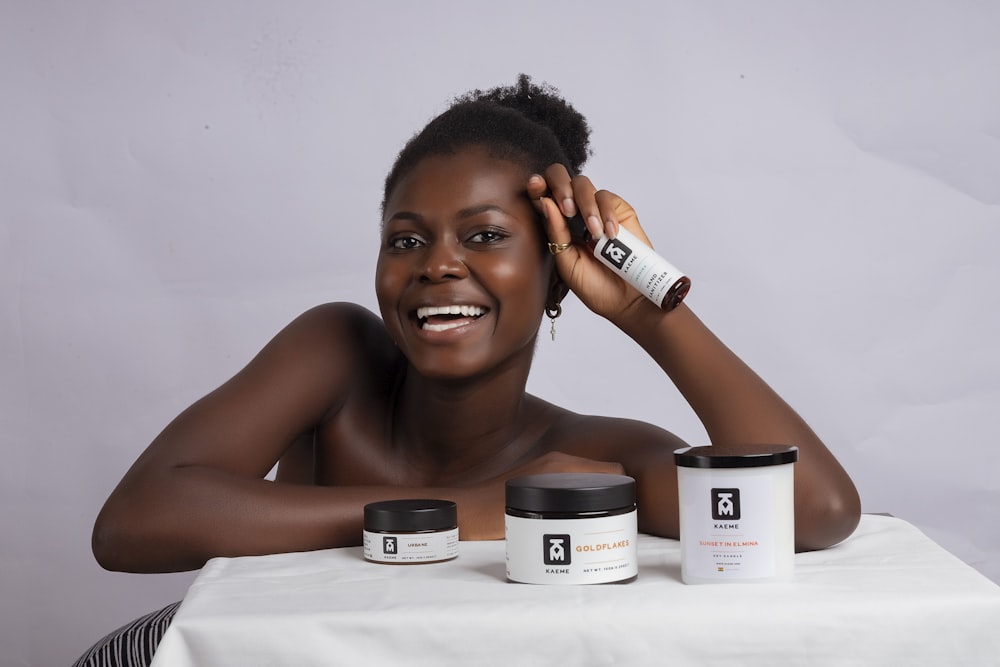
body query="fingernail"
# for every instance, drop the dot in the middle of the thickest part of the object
(569, 207)
(594, 227)
(611, 228)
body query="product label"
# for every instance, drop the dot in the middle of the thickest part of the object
(638, 264)
(735, 527)
(410, 547)
(572, 551)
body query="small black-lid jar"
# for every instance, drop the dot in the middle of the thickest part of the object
(411, 531)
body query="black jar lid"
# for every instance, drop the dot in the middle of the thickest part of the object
(735, 456)
(410, 515)
(570, 492)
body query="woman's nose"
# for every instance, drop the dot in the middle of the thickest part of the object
(443, 260)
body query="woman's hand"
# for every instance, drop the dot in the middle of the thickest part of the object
(556, 195)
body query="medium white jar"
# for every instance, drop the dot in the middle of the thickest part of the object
(571, 528)
(737, 513)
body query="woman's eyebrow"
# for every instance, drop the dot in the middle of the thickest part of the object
(465, 213)
(404, 216)
(473, 211)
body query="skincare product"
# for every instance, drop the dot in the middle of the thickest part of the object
(737, 513)
(654, 277)
(411, 531)
(570, 528)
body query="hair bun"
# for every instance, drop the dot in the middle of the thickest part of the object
(543, 104)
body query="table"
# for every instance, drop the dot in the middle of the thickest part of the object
(886, 596)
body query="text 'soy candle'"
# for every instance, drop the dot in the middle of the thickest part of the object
(737, 513)
(571, 528)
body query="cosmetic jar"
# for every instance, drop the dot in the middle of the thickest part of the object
(411, 531)
(571, 528)
(737, 513)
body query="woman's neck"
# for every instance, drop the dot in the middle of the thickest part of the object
(464, 431)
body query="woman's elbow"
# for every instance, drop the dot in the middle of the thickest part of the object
(108, 544)
(121, 540)
(827, 519)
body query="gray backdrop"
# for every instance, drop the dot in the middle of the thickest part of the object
(181, 179)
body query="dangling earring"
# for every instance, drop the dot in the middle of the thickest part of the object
(553, 313)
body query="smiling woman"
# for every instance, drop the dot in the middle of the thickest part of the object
(429, 400)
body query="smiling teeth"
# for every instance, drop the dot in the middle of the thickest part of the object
(468, 311)
(465, 311)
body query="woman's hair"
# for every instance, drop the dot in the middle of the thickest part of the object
(526, 123)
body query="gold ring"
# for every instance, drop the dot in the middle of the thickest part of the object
(556, 248)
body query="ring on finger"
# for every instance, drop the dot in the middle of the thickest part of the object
(556, 248)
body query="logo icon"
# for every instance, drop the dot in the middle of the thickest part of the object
(726, 504)
(616, 252)
(557, 549)
(389, 545)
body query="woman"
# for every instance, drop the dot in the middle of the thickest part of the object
(430, 399)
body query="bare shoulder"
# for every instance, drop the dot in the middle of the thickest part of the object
(297, 381)
(611, 438)
(340, 322)
(645, 452)
(334, 336)
(328, 348)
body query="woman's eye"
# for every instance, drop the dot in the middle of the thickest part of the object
(488, 236)
(404, 242)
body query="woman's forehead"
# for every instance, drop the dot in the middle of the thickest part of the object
(469, 177)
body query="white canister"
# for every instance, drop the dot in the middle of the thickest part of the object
(410, 531)
(737, 513)
(571, 528)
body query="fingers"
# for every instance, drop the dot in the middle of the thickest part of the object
(607, 204)
(557, 185)
(555, 224)
(556, 229)
(574, 196)
(561, 188)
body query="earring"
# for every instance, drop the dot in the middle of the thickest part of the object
(553, 313)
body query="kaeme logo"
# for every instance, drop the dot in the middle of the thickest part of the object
(616, 252)
(726, 504)
(556, 549)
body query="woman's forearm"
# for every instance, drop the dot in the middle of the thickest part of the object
(732, 401)
(179, 518)
(737, 407)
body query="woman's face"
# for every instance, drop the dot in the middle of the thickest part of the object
(461, 278)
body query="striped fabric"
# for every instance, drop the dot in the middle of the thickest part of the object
(131, 645)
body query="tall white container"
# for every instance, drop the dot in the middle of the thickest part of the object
(737, 513)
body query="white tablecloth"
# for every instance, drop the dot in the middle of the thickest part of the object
(886, 596)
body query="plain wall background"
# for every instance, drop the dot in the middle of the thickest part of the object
(179, 180)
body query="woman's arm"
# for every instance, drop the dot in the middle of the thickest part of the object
(735, 405)
(199, 491)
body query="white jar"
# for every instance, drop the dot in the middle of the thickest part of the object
(410, 531)
(737, 513)
(571, 528)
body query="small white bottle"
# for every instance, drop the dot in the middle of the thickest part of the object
(654, 277)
